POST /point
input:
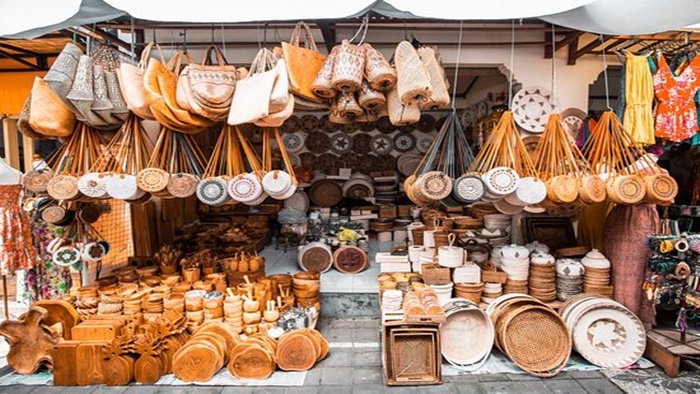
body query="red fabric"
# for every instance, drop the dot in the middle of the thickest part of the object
(676, 117)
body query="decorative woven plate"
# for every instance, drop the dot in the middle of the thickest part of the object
(407, 128)
(325, 193)
(468, 188)
(350, 260)
(424, 142)
(294, 159)
(610, 337)
(299, 201)
(318, 142)
(426, 123)
(63, 187)
(361, 143)
(348, 128)
(245, 188)
(315, 256)
(308, 123)
(293, 142)
(501, 180)
(307, 159)
(152, 179)
(341, 143)
(572, 119)
(93, 184)
(368, 163)
(66, 256)
(326, 125)
(327, 163)
(468, 117)
(384, 125)
(349, 160)
(404, 142)
(291, 125)
(532, 106)
(386, 163)
(36, 180)
(368, 126)
(435, 185)
(182, 185)
(381, 144)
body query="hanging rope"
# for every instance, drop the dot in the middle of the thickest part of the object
(605, 76)
(459, 50)
(510, 70)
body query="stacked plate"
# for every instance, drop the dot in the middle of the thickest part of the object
(604, 332)
(497, 222)
(569, 278)
(515, 262)
(386, 189)
(408, 162)
(596, 278)
(358, 186)
(491, 292)
(391, 300)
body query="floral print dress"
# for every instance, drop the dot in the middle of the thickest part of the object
(17, 250)
(676, 116)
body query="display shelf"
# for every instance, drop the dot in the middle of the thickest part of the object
(667, 347)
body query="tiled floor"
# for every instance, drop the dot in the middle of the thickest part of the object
(279, 262)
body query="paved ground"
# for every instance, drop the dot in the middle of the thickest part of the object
(354, 367)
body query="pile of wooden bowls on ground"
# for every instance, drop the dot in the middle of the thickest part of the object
(604, 332)
(307, 288)
(205, 353)
(532, 335)
(466, 335)
(300, 350)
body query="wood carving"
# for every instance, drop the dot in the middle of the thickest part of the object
(250, 360)
(30, 344)
(197, 361)
(119, 364)
(60, 312)
(90, 362)
(296, 351)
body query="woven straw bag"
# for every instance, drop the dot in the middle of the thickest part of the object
(626, 189)
(378, 72)
(182, 185)
(369, 98)
(562, 189)
(660, 188)
(335, 113)
(592, 189)
(348, 68)
(63, 187)
(303, 62)
(62, 72)
(440, 97)
(277, 119)
(413, 82)
(48, 115)
(207, 89)
(400, 113)
(348, 106)
(131, 81)
(23, 121)
(322, 86)
(251, 100)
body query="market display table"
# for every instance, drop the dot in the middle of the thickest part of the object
(666, 348)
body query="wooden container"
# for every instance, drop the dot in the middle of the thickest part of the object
(434, 274)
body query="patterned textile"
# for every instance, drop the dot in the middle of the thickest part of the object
(625, 238)
(16, 248)
(46, 281)
(676, 116)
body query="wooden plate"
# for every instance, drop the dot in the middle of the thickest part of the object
(309, 123)
(318, 142)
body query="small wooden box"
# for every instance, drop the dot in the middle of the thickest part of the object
(65, 363)
(387, 212)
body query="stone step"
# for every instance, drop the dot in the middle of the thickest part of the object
(350, 305)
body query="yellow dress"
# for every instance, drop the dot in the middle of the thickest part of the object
(591, 224)
(639, 92)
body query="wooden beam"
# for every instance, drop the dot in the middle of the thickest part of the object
(471, 85)
(11, 141)
(17, 49)
(21, 61)
(587, 48)
(573, 47)
(614, 45)
(328, 32)
(27, 153)
(109, 37)
(571, 37)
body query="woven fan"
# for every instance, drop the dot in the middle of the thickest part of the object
(565, 170)
(631, 175)
(74, 159)
(448, 158)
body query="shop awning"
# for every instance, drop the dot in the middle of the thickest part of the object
(20, 19)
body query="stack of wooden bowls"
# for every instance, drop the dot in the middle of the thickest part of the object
(281, 284)
(152, 305)
(469, 291)
(233, 312)
(194, 305)
(214, 306)
(174, 301)
(253, 358)
(543, 277)
(596, 277)
(307, 288)
(218, 280)
(132, 300)
(530, 334)
(205, 353)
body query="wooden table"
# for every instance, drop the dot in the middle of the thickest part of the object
(665, 348)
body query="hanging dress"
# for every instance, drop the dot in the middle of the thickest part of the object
(17, 250)
(639, 96)
(676, 116)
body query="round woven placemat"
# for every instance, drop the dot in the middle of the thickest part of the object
(318, 142)
(361, 143)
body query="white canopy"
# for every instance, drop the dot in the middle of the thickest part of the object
(32, 18)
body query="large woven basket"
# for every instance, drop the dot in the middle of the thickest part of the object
(440, 97)
(413, 81)
(379, 73)
(348, 68)
(322, 86)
